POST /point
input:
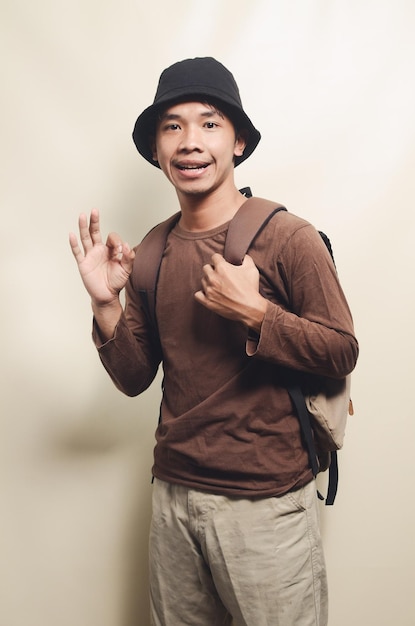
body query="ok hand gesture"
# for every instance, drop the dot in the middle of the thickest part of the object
(104, 268)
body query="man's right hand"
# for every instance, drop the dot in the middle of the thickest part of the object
(104, 268)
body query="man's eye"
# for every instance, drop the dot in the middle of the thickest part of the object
(211, 125)
(171, 127)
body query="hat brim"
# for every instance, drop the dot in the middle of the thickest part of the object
(145, 125)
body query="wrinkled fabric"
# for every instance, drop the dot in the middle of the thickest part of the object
(227, 422)
(214, 558)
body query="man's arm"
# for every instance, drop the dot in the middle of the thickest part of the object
(127, 349)
(313, 332)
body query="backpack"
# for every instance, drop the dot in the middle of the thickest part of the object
(322, 410)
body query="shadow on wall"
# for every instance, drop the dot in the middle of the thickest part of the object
(109, 447)
(79, 484)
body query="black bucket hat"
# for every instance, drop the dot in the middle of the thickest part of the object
(199, 78)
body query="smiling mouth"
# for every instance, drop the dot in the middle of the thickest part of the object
(187, 168)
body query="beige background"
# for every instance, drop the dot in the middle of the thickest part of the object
(330, 84)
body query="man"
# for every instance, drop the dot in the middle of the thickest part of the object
(234, 533)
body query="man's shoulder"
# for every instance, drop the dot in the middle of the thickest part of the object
(285, 224)
(286, 233)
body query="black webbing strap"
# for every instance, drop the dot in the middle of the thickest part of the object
(333, 478)
(304, 418)
(303, 414)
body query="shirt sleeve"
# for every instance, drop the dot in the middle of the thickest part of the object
(132, 356)
(310, 329)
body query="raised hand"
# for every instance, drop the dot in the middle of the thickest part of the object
(104, 268)
(232, 291)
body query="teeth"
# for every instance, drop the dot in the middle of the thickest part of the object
(192, 167)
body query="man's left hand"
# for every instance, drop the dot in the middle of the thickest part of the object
(233, 291)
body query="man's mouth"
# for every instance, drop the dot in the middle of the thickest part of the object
(191, 167)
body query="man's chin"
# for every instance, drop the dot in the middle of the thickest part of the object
(195, 191)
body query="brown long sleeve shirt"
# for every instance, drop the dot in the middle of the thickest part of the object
(227, 424)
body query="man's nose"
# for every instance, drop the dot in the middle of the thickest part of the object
(191, 139)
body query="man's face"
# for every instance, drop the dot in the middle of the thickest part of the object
(195, 146)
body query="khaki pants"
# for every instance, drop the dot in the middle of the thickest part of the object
(214, 558)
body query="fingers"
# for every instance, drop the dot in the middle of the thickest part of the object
(115, 245)
(218, 264)
(120, 251)
(222, 280)
(217, 259)
(200, 297)
(209, 269)
(76, 250)
(90, 234)
(94, 227)
(127, 257)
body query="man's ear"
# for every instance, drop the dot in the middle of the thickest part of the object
(240, 142)
(153, 148)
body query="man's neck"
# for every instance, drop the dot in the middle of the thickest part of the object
(202, 213)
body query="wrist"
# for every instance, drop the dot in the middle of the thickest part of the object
(106, 317)
(257, 314)
(100, 306)
(107, 314)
